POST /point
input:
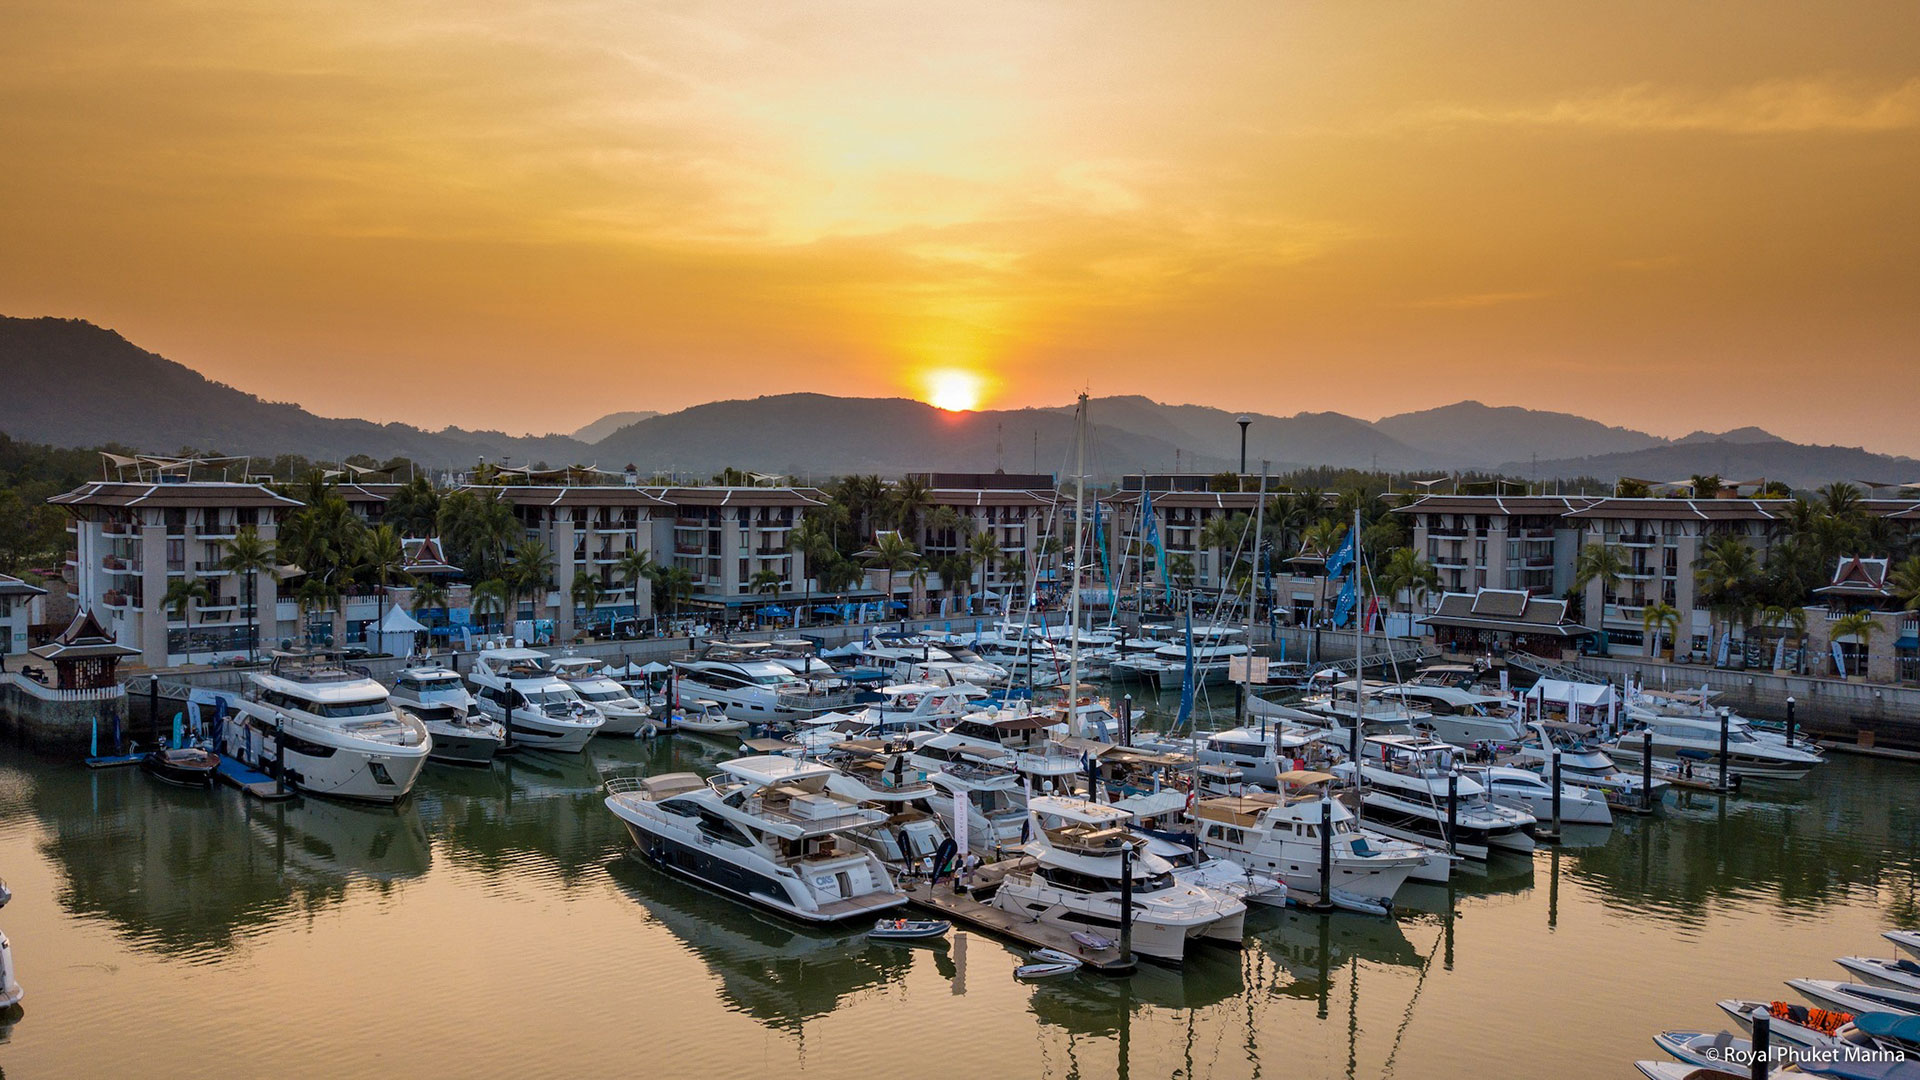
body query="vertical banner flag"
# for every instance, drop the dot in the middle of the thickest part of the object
(1153, 540)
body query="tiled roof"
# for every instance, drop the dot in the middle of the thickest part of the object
(1505, 611)
(185, 495)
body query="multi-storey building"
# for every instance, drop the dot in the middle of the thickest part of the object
(588, 528)
(18, 604)
(1017, 510)
(132, 538)
(733, 542)
(1498, 542)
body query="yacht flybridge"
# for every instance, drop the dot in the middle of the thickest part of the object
(329, 729)
(519, 685)
(1279, 834)
(1074, 882)
(440, 699)
(766, 830)
(752, 686)
(1407, 780)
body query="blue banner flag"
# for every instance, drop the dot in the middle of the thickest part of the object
(1349, 598)
(1153, 539)
(1341, 558)
(1186, 679)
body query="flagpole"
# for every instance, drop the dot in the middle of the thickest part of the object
(1359, 672)
(1079, 533)
(1253, 590)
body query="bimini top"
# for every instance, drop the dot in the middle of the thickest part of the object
(769, 769)
(510, 655)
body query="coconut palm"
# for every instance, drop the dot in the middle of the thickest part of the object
(382, 554)
(1860, 626)
(317, 593)
(767, 581)
(1657, 620)
(1841, 499)
(633, 565)
(248, 554)
(1905, 581)
(1180, 569)
(983, 551)
(676, 583)
(1405, 571)
(1598, 562)
(585, 592)
(1705, 486)
(1782, 617)
(491, 597)
(428, 595)
(891, 552)
(182, 591)
(1729, 575)
(532, 567)
(908, 504)
(1629, 488)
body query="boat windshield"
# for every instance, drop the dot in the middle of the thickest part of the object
(546, 697)
(334, 710)
(601, 695)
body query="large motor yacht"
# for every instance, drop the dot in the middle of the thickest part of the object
(877, 775)
(752, 687)
(1279, 834)
(978, 782)
(1259, 754)
(461, 736)
(1406, 779)
(1214, 648)
(518, 688)
(1074, 882)
(329, 729)
(766, 831)
(588, 679)
(1677, 737)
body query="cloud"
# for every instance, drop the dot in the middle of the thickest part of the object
(1780, 106)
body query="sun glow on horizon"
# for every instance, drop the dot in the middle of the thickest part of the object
(954, 390)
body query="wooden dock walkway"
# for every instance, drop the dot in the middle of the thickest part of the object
(963, 908)
(258, 785)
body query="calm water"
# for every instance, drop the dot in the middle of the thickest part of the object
(494, 927)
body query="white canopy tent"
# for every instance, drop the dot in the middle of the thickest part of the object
(397, 630)
(1573, 697)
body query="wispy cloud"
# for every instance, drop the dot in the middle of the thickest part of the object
(1779, 106)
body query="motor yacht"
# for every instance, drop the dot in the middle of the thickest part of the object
(328, 729)
(766, 831)
(1028, 738)
(752, 687)
(1279, 834)
(878, 775)
(517, 687)
(980, 781)
(1405, 782)
(1331, 705)
(1214, 649)
(909, 706)
(1527, 790)
(1582, 764)
(1457, 715)
(440, 699)
(1075, 878)
(1677, 737)
(1259, 754)
(588, 679)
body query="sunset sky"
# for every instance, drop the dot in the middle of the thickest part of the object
(524, 215)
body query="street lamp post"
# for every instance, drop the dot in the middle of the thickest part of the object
(1244, 421)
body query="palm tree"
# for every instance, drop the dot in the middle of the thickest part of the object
(1180, 569)
(633, 565)
(382, 553)
(248, 554)
(491, 597)
(427, 594)
(812, 537)
(1729, 575)
(767, 581)
(984, 551)
(1905, 580)
(1705, 486)
(586, 592)
(1629, 488)
(531, 569)
(908, 504)
(414, 508)
(1288, 515)
(1597, 562)
(891, 552)
(1405, 571)
(1323, 536)
(1780, 616)
(677, 583)
(316, 594)
(181, 591)
(1841, 498)
(1658, 619)
(1225, 534)
(1860, 626)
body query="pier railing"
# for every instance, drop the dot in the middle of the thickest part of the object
(51, 693)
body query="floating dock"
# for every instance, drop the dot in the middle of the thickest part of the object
(113, 761)
(257, 784)
(963, 908)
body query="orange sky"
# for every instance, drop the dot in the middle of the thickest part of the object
(1671, 216)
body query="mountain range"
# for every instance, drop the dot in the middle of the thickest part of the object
(70, 383)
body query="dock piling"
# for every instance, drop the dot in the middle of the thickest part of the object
(1762, 1032)
(1789, 719)
(1725, 784)
(1555, 781)
(1453, 812)
(1326, 854)
(1646, 770)
(1126, 902)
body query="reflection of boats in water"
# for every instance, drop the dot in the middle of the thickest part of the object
(185, 872)
(777, 971)
(1099, 1006)
(1309, 945)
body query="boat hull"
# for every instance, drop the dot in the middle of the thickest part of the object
(454, 747)
(744, 883)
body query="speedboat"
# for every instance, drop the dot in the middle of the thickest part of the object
(1406, 779)
(518, 688)
(1801, 1025)
(1194, 865)
(1533, 793)
(588, 679)
(1584, 765)
(904, 706)
(1907, 940)
(1279, 834)
(707, 718)
(328, 729)
(439, 698)
(765, 831)
(1075, 879)
(186, 766)
(1698, 738)
(1901, 974)
(1857, 997)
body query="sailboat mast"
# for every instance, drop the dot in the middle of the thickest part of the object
(1253, 591)
(1359, 668)
(1079, 534)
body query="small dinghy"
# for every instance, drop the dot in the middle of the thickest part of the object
(1907, 940)
(708, 718)
(189, 766)
(1856, 997)
(909, 929)
(1901, 974)
(1054, 956)
(1673, 1070)
(1044, 971)
(1092, 941)
(1704, 1050)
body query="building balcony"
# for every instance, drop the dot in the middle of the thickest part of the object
(217, 532)
(1449, 564)
(210, 567)
(1537, 562)
(115, 600)
(1536, 535)
(1645, 573)
(120, 532)
(115, 565)
(1640, 540)
(689, 549)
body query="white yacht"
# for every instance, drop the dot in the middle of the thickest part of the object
(588, 679)
(328, 729)
(517, 687)
(1405, 780)
(1260, 755)
(1028, 740)
(1279, 834)
(1457, 715)
(979, 782)
(749, 687)
(1074, 882)
(906, 706)
(1331, 705)
(439, 698)
(766, 831)
(1697, 738)
(1532, 792)
(1582, 764)
(1214, 648)
(879, 776)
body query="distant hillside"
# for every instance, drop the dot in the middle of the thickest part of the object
(1800, 466)
(68, 382)
(611, 423)
(1469, 434)
(1205, 433)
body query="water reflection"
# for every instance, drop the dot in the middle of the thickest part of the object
(192, 872)
(782, 974)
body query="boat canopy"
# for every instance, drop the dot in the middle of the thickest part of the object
(769, 769)
(1077, 810)
(1561, 692)
(1152, 805)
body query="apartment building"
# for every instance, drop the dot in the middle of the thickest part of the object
(131, 539)
(20, 604)
(589, 528)
(1018, 510)
(1498, 542)
(725, 538)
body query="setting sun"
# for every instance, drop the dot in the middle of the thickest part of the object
(953, 390)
